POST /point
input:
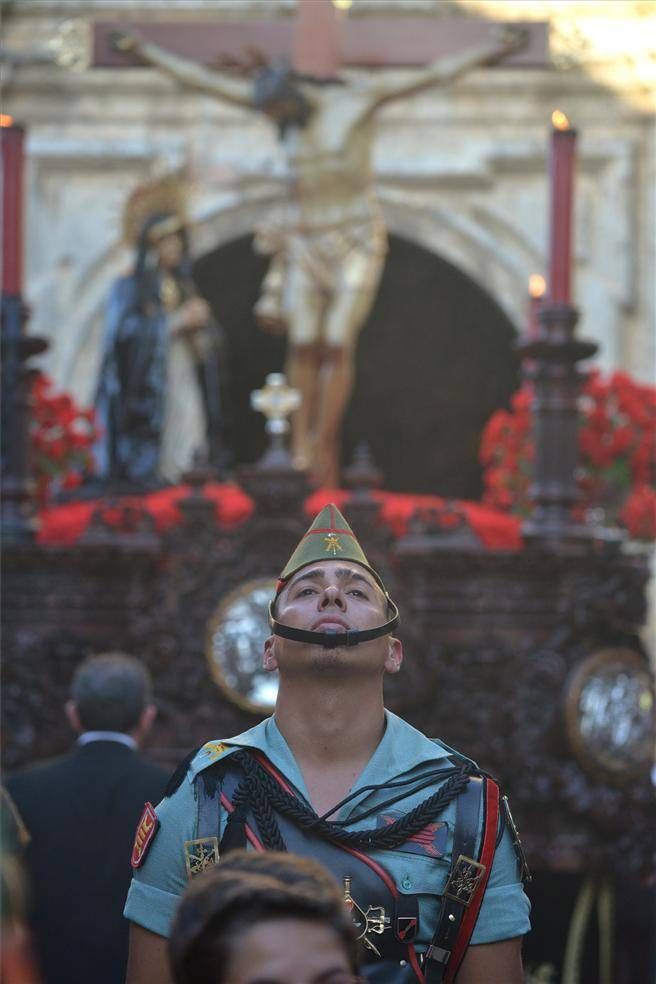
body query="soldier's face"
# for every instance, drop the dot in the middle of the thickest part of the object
(332, 594)
(282, 950)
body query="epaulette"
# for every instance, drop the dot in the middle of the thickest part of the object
(208, 754)
(457, 758)
(505, 816)
(196, 761)
(180, 772)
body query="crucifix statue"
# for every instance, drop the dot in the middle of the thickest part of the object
(327, 241)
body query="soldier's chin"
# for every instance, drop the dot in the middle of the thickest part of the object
(327, 656)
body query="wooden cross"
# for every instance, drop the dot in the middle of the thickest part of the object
(318, 40)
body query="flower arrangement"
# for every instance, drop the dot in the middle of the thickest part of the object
(62, 435)
(617, 445)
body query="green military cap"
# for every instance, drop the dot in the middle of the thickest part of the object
(329, 538)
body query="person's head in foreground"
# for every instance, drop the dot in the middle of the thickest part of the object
(263, 919)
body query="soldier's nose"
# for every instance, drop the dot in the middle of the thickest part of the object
(332, 596)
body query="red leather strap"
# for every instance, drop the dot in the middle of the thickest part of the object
(486, 857)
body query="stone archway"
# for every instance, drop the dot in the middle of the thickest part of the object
(435, 358)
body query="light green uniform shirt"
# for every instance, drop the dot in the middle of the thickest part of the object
(403, 751)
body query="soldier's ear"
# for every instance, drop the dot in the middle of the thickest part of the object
(269, 659)
(394, 655)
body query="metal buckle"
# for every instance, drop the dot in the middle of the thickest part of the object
(437, 954)
(464, 880)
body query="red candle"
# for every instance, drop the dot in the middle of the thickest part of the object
(536, 289)
(12, 205)
(561, 172)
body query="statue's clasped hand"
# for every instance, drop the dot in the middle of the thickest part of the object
(194, 315)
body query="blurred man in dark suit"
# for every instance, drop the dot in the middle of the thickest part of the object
(81, 812)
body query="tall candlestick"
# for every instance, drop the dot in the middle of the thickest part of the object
(12, 206)
(561, 171)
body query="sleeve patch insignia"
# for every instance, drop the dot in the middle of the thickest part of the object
(146, 830)
(200, 854)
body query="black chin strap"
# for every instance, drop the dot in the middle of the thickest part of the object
(332, 639)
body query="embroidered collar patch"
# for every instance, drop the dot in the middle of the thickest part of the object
(215, 749)
(430, 841)
(143, 838)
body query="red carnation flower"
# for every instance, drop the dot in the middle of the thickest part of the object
(617, 438)
(639, 513)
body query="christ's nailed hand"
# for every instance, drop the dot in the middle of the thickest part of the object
(512, 38)
(120, 41)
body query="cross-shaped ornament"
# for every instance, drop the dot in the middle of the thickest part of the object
(277, 401)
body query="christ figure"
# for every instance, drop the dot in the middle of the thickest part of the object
(327, 240)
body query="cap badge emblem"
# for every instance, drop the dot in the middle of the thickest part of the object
(333, 543)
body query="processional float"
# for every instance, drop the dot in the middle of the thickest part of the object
(531, 661)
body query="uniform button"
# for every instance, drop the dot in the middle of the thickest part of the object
(407, 882)
(403, 963)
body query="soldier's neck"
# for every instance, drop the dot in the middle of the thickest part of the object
(332, 734)
(331, 726)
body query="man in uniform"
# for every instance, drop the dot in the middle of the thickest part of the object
(413, 833)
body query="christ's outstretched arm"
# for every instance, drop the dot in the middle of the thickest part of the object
(189, 73)
(450, 67)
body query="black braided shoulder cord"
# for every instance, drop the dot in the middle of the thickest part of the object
(250, 794)
(264, 792)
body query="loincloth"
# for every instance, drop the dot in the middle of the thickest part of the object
(332, 260)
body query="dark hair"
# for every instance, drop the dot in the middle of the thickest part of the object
(275, 83)
(110, 692)
(243, 889)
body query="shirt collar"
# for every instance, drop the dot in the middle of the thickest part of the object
(118, 736)
(401, 750)
(267, 737)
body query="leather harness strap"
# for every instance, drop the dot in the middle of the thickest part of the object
(373, 865)
(465, 887)
(468, 807)
(486, 858)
